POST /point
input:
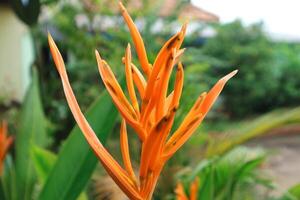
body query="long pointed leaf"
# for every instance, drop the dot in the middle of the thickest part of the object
(44, 161)
(31, 131)
(76, 161)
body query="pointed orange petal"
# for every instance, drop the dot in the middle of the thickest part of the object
(151, 149)
(137, 40)
(185, 128)
(195, 116)
(111, 166)
(215, 91)
(139, 80)
(125, 151)
(178, 87)
(155, 142)
(163, 85)
(129, 81)
(161, 58)
(194, 189)
(120, 100)
(112, 84)
(180, 193)
(165, 123)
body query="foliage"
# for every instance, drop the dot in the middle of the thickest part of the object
(44, 161)
(250, 51)
(294, 192)
(32, 130)
(287, 61)
(32, 162)
(230, 176)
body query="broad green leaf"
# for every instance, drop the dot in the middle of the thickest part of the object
(31, 131)
(76, 161)
(44, 161)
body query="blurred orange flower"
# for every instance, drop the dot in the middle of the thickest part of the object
(181, 195)
(152, 118)
(5, 142)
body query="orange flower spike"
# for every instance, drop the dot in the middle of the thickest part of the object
(129, 81)
(137, 40)
(125, 151)
(153, 121)
(180, 193)
(5, 143)
(112, 167)
(194, 189)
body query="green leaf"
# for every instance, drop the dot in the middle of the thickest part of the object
(2, 191)
(8, 179)
(295, 191)
(44, 161)
(76, 161)
(221, 176)
(31, 131)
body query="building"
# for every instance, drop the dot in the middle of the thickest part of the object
(16, 55)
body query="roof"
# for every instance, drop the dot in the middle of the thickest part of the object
(167, 8)
(192, 12)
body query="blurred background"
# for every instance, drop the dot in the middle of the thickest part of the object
(247, 148)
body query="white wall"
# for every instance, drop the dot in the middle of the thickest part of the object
(16, 56)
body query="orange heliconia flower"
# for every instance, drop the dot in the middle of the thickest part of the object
(181, 195)
(151, 119)
(5, 142)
